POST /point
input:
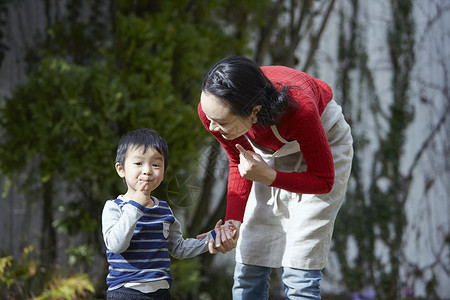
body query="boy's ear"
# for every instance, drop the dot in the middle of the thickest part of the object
(120, 170)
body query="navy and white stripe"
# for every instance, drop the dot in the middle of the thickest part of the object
(147, 257)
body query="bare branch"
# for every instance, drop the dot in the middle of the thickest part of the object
(316, 38)
(436, 129)
(266, 31)
(295, 32)
(440, 12)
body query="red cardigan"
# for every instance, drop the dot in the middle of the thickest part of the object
(302, 124)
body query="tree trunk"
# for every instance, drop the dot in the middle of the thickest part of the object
(48, 235)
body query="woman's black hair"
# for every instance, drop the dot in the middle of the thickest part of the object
(143, 137)
(240, 83)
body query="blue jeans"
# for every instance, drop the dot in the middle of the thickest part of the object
(252, 283)
(124, 293)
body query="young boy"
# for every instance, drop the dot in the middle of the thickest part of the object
(140, 230)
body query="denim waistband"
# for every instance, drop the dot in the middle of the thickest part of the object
(136, 292)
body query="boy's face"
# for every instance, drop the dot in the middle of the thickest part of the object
(142, 168)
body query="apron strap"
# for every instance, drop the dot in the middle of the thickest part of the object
(277, 134)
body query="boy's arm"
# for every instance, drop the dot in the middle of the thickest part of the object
(118, 224)
(185, 248)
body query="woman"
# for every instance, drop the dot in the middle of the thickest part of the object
(290, 153)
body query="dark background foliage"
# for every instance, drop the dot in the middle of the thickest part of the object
(97, 69)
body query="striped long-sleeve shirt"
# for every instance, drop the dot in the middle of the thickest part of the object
(139, 240)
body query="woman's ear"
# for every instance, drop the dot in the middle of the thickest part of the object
(254, 114)
(120, 170)
(256, 110)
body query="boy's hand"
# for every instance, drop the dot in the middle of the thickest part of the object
(142, 194)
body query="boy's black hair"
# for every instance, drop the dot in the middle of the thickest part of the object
(142, 137)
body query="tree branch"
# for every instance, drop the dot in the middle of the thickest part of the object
(427, 142)
(266, 31)
(316, 38)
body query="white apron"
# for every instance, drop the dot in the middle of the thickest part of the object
(284, 229)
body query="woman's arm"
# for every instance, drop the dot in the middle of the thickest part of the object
(238, 188)
(315, 149)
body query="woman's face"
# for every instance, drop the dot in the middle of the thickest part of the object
(229, 125)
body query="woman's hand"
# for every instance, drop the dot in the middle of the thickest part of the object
(226, 237)
(252, 166)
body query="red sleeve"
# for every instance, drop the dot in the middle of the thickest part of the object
(305, 126)
(319, 175)
(238, 187)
